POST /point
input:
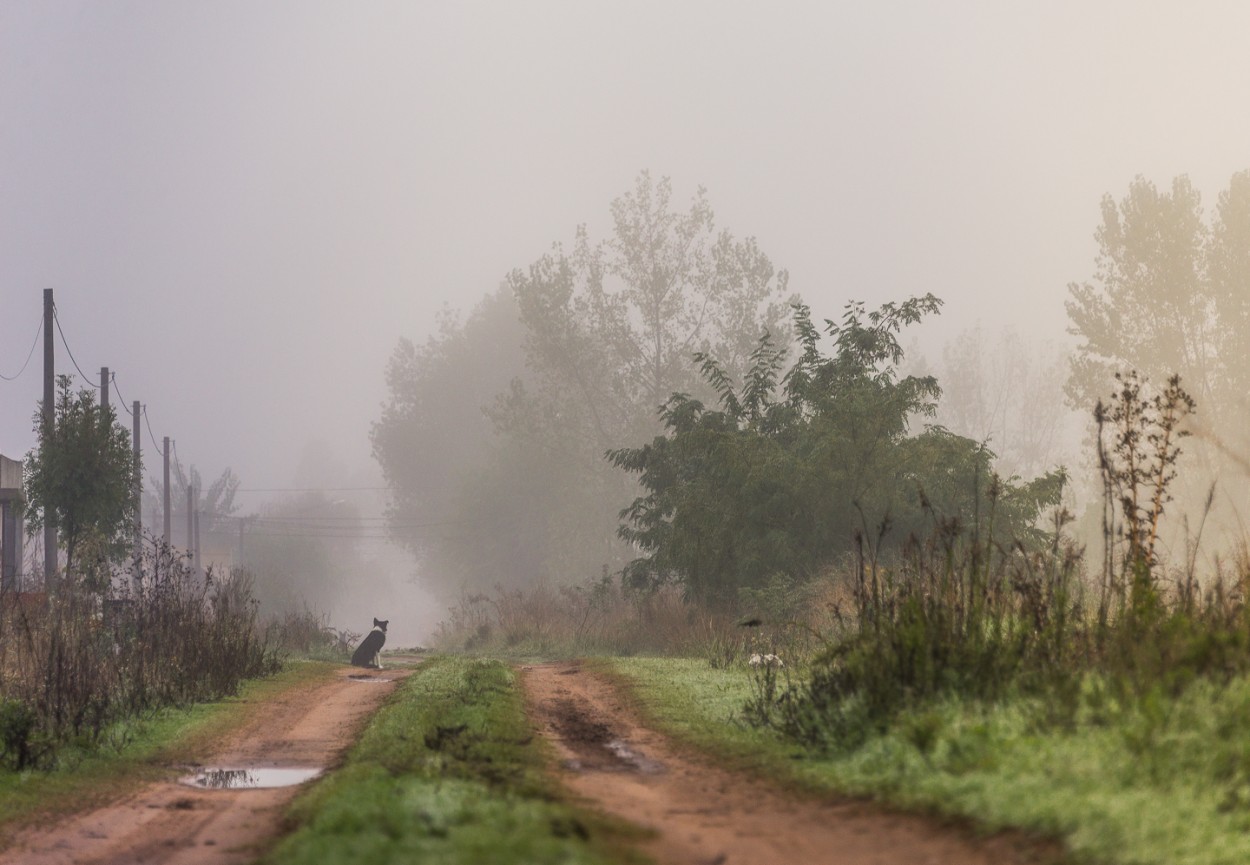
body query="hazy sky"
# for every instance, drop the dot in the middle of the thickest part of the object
(242, 206)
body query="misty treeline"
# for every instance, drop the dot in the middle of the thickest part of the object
(494, 437)
(298, 546)
(514, 440)
(1170, 295)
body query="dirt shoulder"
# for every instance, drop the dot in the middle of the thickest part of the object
(703, 814)
(172, 822)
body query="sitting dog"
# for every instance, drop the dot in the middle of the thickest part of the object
(369, 652)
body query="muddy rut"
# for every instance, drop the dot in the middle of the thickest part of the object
(173, 823)
(704, 815)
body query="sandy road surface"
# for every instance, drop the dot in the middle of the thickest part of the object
(172, 823)
(703, 815)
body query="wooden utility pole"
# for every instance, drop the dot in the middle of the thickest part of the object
(134, 440)
(190, 517)
(49, 418)
(104, 388)
(165, 493)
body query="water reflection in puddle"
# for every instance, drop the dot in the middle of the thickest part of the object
(373, 680)
(249, 779)
(628, 755)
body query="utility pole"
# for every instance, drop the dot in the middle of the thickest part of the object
(165, 494)
(199, 563)
(190, 518)
(134, 440)
(104, 388)
(49, 418)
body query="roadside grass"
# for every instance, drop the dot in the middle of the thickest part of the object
(448, 771)
(1163, 780)
(135, 751)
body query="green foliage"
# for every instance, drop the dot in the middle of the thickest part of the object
(783, 475)
(22, 743)
(82, 479)
(1131, 782)
(496, 429)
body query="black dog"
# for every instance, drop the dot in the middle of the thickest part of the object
(368, 653)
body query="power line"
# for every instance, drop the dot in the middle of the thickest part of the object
(151, 434)
(65, 343)
(29, 355)
(120, 398)
(308, 489)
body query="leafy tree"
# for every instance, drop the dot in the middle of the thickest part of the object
(781, 477)
(610, 331)
(1171, 296)
(82, 477)
(611, 327)
(1168, 294)
(435, 438)
(1228, 279)
(494, 435)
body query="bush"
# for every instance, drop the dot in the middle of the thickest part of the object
(73, 666)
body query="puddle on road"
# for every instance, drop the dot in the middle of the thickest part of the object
(629, 756)
(372, 680)
(249, 779)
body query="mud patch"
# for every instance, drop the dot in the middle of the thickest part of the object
(250, 778)
(597, 746)
(372, 680)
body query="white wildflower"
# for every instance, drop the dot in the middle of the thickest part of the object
(756, 660)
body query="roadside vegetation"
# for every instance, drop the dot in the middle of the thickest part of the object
(448, 771)
(74, 664)
(125, 628)
(138, 749)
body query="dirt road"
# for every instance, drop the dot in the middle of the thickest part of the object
(703, 815)
(174, 823)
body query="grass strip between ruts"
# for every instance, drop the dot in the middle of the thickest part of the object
(448, 771)
(1167, 781)
(139, 750)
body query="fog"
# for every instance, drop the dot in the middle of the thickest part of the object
(243, 207)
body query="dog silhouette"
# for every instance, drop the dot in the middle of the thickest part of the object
(368, 653)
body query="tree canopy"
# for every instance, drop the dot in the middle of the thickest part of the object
(494, 434)
(1169, 296)
(82, 477)
(786, 470)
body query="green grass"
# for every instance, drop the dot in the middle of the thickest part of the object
(448, 771)
(136, 751)
(1162, 781)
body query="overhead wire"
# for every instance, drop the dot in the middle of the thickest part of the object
(120, 398)
(308, 489)
(151, 434)
(29, 354)
(56, 318)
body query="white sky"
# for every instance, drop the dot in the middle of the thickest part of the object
(242, 206)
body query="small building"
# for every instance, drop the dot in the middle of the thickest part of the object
(11, 525)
